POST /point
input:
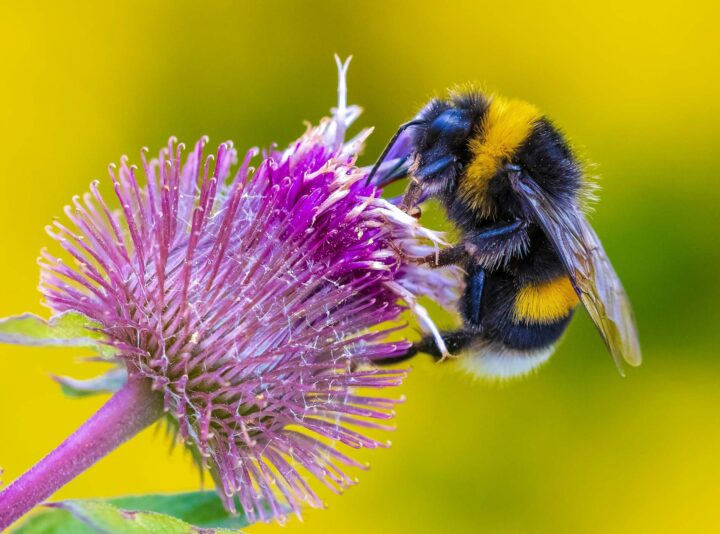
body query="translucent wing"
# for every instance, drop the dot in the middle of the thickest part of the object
(589, 268)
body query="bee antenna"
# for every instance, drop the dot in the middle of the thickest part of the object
(389, 146)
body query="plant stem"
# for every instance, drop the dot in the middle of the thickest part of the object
(131, 409)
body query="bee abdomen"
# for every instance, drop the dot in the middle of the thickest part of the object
(541, 312)
(545, 302)
(528, 336)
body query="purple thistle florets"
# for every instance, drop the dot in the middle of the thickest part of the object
(248, 297)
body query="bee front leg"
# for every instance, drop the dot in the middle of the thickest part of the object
(412, 196)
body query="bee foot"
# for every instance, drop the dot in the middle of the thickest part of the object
(415, 212)
(445, 356)
(404, 256)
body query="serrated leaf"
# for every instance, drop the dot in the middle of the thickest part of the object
(108, 382)
(190, 513)
(108, 519)
(69, 329)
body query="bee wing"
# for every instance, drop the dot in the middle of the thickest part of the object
(589, 268)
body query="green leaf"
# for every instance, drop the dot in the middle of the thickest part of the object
(67, 329)
(108, 519)
(191, 513)
(108, 382)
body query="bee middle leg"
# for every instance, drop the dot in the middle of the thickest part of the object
(487, 247)
(448, 256)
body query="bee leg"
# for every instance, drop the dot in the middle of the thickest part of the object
(458, 340)
(447, 256)
(412, 196)
(491, 246)
(455, 342)
(415, 212)
(471, 303)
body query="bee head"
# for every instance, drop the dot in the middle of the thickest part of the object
(439, 146)
(433, 147)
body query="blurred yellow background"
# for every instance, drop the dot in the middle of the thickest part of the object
(574, 448)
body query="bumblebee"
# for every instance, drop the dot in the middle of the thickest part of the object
(514, 189)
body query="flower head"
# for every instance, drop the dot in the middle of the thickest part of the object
(249, 298)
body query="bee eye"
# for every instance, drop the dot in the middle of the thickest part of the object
(453, 125)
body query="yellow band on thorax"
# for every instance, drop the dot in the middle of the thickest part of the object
(545, 302)
(505, 127)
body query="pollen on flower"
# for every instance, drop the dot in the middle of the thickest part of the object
(251, 298)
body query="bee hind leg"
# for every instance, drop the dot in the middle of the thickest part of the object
(455, 342)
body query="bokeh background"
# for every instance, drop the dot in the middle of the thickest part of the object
(574, 448)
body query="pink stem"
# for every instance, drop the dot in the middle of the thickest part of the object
(128, 411)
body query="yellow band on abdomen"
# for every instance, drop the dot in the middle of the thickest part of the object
(545, 302)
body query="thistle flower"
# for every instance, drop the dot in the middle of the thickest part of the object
(249, 301)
